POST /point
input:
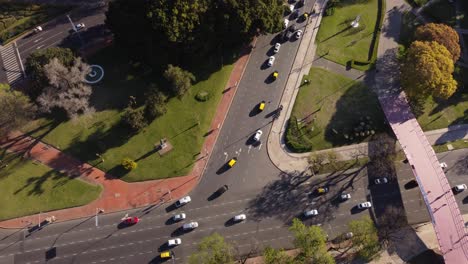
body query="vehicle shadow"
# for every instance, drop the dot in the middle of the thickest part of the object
(411, 184)
(355, 210)
(465, 200)
(178, 232)
(264, 65)
(213, 196)
(223, 169)
(230, 222)
(269, 79)
(255, 111)
(170, 208)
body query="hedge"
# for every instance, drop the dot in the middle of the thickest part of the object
(294, 139)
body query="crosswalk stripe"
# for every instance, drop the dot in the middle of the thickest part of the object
(10, 64)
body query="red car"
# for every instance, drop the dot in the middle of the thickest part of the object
(131, 220)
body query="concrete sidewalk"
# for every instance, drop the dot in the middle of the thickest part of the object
(279, 154)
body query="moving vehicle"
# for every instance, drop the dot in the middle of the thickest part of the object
(190, 226)
(232, 162)
(381, 180)
(166, 255)
(322, 190)
(275, 75)
(271, 61)
(257, 135)
(364, 205)
(460, 188)
(309, 213)
(183, 201)
(277, 48)
(345, 196)
(80, 26)
(240, 217)
(261, 106)
(174, 242)
(179, 217)
(131, 220)
(222, 189)
(37, 29)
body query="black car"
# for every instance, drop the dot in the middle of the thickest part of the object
(222, 189)
(288, 35)
(292, 28)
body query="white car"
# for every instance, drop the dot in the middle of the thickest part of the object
(345, 196)
(179, 217)
(190, 226)
(80, 26)
(381, 180)
(182, 201)
(277, 47)
(240, 217)
(364, 205)
(174, 242)
(286, 22)
(37, 29)
(443, 165)
(271, 60)
(258, 135)
(310, 213)
(291, 8)
(298, 33)
(460, 187)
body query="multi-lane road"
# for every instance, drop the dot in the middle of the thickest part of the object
(268, 197)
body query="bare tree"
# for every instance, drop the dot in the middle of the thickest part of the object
(67, 89)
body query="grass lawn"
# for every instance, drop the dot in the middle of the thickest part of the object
(184, 125)
(341, 43)
(29, 188)
(332, 106)
(457, 144)
(16, 18)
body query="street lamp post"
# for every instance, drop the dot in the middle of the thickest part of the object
(98, 211)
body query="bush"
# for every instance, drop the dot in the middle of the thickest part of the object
(330, 11)
(202, 96)
(294, 139)
(134, 119)
(129, 164)
(155, 104)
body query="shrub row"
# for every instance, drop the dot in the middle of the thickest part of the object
(294, 139)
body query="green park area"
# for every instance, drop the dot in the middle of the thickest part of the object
(29, 187)
(332, 110)
(184, 125)
(16, 18)
(338, 41)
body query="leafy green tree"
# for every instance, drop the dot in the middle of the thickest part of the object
(276, 256)
(134, 119)
(180, 80)
(365, 239)
(427, 70)
(213, 250)
(129, 164)
(15, 110)
(155, 104)
(442, 34)
(312, 242)
(35, 67)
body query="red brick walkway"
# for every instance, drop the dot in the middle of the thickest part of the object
(118, 195)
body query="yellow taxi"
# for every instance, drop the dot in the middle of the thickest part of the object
(232, 162)
(261, 105)
(275, 75)
(306, 15)
(166, 255)
(322, 190)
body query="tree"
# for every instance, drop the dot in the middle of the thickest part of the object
(213, 250)
(134, 119)
(427, 70)
(316, 161)
(35, 67)
(312, 242)
(276, 256)
(180, 80)
(442, 34)
(155, 104)
(66, 88)
(365, 238)
(129, 164)
(15, 110)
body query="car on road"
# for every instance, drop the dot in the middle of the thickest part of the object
(345, 196)
(179, 217)
(232, 162)
(257, 135)
(80, 26)
(37, 29)
(309, 213)
(460, 187)
(166, 255)
(183, 201)
(174, 242)
(288, 35)
(240, 217)
(277, 48)
(261, 106)
(190, 226)
(271, 61)
(222, 189)
(275, 75)
(364, 205)
(294, 14)
(322, 190)
(443, 165)
(286, 22)
(298, 34)
(382, 180)
(292, 28)
(131, 220)
(291, 8)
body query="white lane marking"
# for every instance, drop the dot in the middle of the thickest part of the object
(35, 41)
(225, 156)
(38, 47)
(260, 147)
(250, 146)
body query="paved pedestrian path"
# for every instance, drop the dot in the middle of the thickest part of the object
(118, 195)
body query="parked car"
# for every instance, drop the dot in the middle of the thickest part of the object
(271, 61)
(131, 220)
(232, 162)
(345, 196)
(261, 106)
(381, 180)
(288, 35)
(443, 165)
(298, 34)
(257, 135)
(309, 213)
(37, 29)
(292, 28)
(321, 190)
(294, 14)
(364, 205)
(183, 201)
(174, 242)
(240, 217)
(460, 188)
(179, 217)
(277, 48)
(275, 75)
(190, 226)
(166, 255)
(291, 8)
(286, 22)
(222, 189)
(80, 26)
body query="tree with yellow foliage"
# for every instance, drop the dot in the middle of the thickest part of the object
(442, 34)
